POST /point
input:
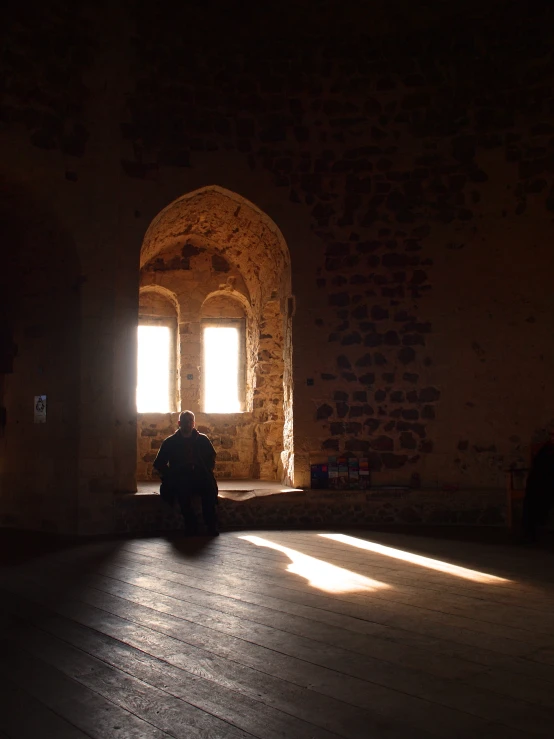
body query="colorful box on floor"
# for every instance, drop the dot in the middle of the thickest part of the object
(348, 473)
(319, 476)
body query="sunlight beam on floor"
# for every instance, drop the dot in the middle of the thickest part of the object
(318, 573)
(417, 559)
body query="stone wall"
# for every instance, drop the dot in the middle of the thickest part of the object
(41, 322)
(324, 509)
(400, 158)
(424, 160)
(231, 434)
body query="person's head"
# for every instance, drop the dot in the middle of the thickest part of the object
(186, 422)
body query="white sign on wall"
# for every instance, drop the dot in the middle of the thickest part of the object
(40, 408)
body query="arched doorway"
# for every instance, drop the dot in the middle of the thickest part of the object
(212, 259)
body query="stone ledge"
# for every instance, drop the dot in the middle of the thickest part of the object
(325, 508)
(235, 489)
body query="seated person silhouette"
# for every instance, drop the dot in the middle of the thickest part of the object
(186, 462)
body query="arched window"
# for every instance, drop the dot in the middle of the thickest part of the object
(157, 389)
(225, 268)
(223, 330)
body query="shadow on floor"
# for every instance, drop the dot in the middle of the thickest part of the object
(189, 547)
(18, 547)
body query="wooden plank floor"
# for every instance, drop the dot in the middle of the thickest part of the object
(278, 635)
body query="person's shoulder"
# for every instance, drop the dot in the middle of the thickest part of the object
(202, 438)
(171, 438)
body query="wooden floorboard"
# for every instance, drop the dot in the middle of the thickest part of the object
(145, 702)
(374, 567)
(436, 621)
(79, 706)
(506, 615)
(233, 708)
(499, 561)
(379, 567)
(253, 591)
(239, 638)
(379, 641)
(23, 716)
(260, 676)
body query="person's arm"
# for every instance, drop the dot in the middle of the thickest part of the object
(162, 458)
(211, 454)
(208, 453)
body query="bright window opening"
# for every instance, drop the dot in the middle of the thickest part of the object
(154, 364)
(221, 370)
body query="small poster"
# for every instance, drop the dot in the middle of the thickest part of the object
(40, 408)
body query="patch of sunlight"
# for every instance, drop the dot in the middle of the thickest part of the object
(318, 573)
(416, 559)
